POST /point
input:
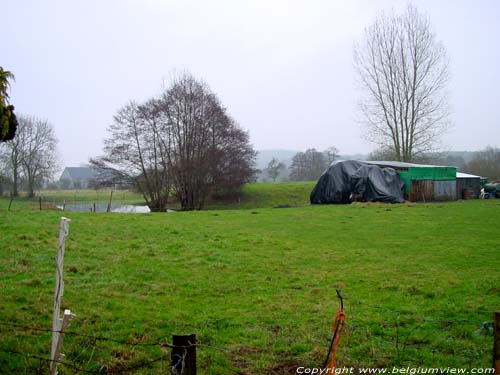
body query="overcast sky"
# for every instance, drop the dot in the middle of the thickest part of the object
(282, 68)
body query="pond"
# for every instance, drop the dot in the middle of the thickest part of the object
(103, 207)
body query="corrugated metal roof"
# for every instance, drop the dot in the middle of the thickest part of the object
(401, 164)
(466, 175)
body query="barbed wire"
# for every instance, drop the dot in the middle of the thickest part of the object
(75, 368)
(157, 343)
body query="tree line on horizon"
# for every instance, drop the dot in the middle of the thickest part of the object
(310, 164)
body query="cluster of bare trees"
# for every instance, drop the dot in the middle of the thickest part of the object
(485, 163)
(30, 157)
(309, 165)
(182, 143)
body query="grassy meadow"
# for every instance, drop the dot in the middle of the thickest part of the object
(256, 195)
(256, 285)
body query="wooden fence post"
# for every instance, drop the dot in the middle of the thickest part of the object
(109, 204)
(40, 202)
(183, 357)
(496, 343)
(10, 203)
(59, 325)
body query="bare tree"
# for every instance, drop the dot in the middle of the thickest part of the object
(32, 154)
(135, 153)
(209, 152)
(38, 152)
(403, 71)
(331, 154)
(11, 159)
(274, 168)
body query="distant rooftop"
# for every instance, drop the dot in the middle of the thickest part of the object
(466, 175)
(80, 173)
(401, 164)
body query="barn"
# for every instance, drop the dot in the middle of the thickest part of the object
(425, 183)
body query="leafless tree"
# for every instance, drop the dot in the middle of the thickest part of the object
(134, 153)
(32, 153)
(11, 160)
(209, 152)
(331, 154)
(274, 168)
(403, 72)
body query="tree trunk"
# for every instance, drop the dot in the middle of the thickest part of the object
(15, 193)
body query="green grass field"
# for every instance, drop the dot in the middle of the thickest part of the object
(256, 195)
(256, 285)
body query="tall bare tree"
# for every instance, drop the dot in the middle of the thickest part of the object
(209, 152)
(135, 153)
(38, 151)
(403, 71)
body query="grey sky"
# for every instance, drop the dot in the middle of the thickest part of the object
(282, 68)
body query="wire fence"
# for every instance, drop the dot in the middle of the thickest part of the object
(78, 362)
(391, 338)
(103, 202)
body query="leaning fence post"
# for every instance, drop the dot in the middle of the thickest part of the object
(183, 357)
(63, 325)
(496, 343)
(59, 325)
(10, 203)
(109, 204)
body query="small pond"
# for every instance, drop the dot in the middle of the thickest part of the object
(102, 207)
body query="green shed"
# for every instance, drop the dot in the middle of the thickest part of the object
(425, 183)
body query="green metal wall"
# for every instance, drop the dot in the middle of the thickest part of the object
(427, 173)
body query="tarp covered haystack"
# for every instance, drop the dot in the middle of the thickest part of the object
(343, 179)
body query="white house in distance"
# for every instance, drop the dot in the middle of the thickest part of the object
(76, 177)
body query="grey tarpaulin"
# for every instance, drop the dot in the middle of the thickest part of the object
(372, 183)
